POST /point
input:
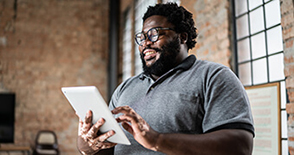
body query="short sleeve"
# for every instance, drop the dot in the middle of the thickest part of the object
(226, 103)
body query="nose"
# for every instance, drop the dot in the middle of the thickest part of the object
(147, 42)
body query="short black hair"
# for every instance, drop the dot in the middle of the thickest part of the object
(178, 16)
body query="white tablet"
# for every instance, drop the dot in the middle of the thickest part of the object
(86, 98)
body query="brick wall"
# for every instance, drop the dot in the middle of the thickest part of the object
(44, 45)
(287, 22)
(212, 22)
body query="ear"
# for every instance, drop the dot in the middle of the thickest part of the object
(184, 37)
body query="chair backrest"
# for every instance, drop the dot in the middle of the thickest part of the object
(46, 143)
(46, 137)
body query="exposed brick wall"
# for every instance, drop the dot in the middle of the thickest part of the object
(44, 45)
(287, 22)
(212, 22)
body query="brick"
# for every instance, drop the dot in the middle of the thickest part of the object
(289, 68)
(290, 108)
(290, 82)
(291, 95)
(289, 57)
(289, 43)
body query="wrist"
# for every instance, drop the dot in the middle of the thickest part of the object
(158, 142)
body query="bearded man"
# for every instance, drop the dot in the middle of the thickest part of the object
(178, 105)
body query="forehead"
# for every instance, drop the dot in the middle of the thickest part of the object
(156, 21)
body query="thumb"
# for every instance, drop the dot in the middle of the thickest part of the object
(127, 127)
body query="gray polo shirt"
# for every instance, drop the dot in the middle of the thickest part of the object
(193, 98)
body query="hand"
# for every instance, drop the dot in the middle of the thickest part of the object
(138, 127)
(88, 140)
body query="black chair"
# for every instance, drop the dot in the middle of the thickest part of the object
(46, 143)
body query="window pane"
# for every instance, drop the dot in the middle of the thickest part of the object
(284, 124)
(285, 147)
(254, 3)
(240, 7)
(256, 20)
(245, 73)
(276, 67)
(176, 1)
(258, 45)
(273, 13)
(274, 40)
(242, 27)
(259, 71)
(138, 62)
(283, 95)
(243, 50)
(127, 46)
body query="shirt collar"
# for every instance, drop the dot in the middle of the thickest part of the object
(184, 65)
(187, 63)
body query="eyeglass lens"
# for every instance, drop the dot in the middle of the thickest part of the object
(152, 35)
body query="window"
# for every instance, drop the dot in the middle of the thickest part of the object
(127, 46)
(259, 49)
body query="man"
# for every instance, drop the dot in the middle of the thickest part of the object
(178, 105)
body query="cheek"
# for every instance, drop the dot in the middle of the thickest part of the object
(141, 49)
(161, 42)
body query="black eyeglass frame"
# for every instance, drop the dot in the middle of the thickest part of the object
(149, 37)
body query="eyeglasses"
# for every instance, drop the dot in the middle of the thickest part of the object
(152, 35)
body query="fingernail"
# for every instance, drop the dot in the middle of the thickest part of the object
(101, 120)
(111, 133)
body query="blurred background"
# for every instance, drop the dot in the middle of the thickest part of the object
(49, 44)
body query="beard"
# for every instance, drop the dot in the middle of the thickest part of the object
(167, 59)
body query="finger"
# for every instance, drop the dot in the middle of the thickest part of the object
(105, 136)
(103, 145)
(129, 118)
(135, 124)
(123, 109)
(88, 118)
(107, 145)
(95, 128)
(87, 122)
(80, 127)
(128, 127)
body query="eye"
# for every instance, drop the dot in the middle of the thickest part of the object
(154, 37)
(153, 34)
(140, 37)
